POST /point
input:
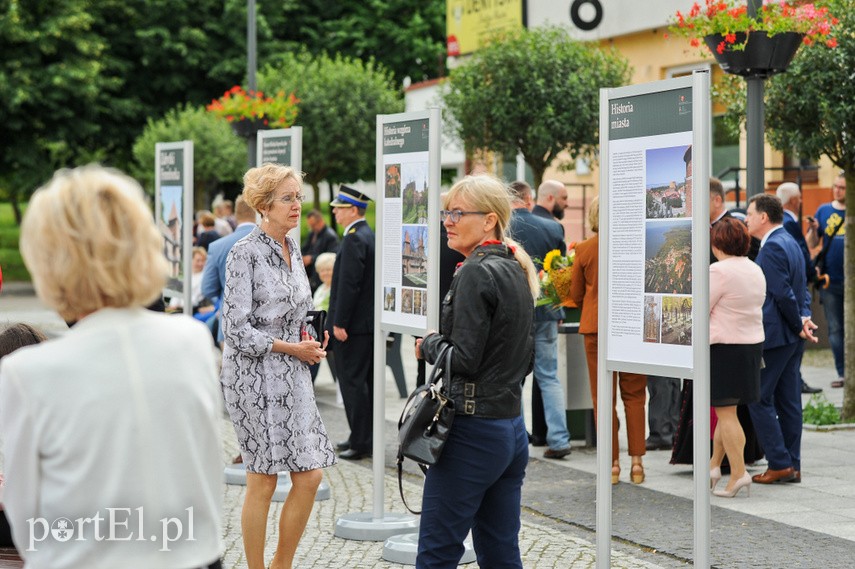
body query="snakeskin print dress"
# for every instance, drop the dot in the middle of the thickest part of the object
(269, 396)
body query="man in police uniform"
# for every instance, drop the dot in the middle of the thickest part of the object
(351, 320)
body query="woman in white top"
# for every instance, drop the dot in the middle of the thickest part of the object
(112, 429)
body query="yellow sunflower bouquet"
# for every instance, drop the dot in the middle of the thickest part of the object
(555, 278)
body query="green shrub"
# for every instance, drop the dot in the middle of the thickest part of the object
(820, 411)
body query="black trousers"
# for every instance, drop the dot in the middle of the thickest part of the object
(354, 364)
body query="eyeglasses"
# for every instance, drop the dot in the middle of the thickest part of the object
(839, 186)
(456, 214)
(290, 199)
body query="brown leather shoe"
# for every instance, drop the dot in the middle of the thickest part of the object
(773, 476)
(797, 477)
(556, 453)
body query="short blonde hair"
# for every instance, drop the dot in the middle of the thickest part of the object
(594, 214)
(325, 261)
(259, 184)
(90, 242)
(487, 194)
(199, 251)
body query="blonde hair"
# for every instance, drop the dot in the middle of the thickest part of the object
(487, 194)
(199, 251)
(89, 241)
(594, 214)
(259, 184)
(325, 261)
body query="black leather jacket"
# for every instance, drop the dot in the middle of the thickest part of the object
(487, 317)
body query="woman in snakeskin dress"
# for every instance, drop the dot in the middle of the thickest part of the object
(266, 359)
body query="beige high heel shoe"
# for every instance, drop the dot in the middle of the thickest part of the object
(743, 482)
(715, 476)
(615, 473)
(636, 473)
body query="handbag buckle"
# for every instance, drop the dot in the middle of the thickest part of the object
(468, 390)
(469, 407)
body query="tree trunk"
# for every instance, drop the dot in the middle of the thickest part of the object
(848, 413)
(316, 188)
(16, 208)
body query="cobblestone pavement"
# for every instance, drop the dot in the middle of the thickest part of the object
(543, 542)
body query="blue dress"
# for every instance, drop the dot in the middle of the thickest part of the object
(269, 396)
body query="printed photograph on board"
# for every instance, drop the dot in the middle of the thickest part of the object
(668, 256)
(414, 181)
(414, 250)
(389, 298)
(407, 300)
(669, 182)
(677, 320)
(393, 181)
(652, 319)
(417, 301)
(169, 224)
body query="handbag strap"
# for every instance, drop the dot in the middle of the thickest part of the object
(401, 484)
(442, 369)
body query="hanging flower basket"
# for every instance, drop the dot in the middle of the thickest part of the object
(763, 55)
(247, 128)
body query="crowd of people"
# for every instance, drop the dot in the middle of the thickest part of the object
(96, 258)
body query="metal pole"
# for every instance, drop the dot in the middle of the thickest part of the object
(756, 161)
(251, 65)
(701, 315)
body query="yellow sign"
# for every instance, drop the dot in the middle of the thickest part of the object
(469, 23)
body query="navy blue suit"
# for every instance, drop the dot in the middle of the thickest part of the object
(777, 416)
(794, 228)
(352, 308)
(214, 276)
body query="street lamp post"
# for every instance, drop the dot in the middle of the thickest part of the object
(756, 161)
(251, 65)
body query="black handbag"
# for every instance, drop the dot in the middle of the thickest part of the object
(315, 322)
(426, 421)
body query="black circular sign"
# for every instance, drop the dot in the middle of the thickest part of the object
(589, 24)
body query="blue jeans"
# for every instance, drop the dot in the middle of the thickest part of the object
(832, 302)
(546, 376)
(477, 485)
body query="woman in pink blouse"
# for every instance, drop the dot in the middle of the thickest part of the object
(737, 292)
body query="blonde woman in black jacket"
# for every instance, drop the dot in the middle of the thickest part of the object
(487, 318)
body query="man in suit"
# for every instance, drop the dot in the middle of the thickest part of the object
(321, 239)
(214, 276)
(551, 200)
(791, 198)
(538, 237)
(351, 320)
(777, 416)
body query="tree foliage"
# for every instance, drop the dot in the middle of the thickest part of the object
(219, 155)
(535, 92)
(50, 81)
(339, 100)
(811, 108)
(407, 36)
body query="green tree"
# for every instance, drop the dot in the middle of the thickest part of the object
(50, 82)
(406, 36)
(339, 101)
(811, 108)
(218, 154)
(534, 92)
